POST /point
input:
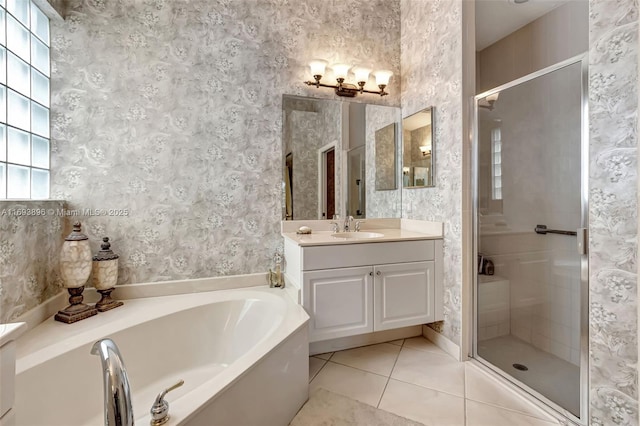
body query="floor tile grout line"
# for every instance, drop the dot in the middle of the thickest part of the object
(501, 407)
(426, 387)
(356, 368)
(542, 416)
(326, 361)
(443, 353)
(361, 369)
(390, 373)
(464, 388)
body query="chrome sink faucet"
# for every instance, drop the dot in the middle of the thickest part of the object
(347, 223)
(118, 410)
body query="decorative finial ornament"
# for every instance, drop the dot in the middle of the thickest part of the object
(75, 268)
(105, 276)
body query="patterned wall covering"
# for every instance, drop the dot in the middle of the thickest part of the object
(381, 203)
(29, 247)
(172, 110)
(431, 51)
(613, 191)
(385, 156)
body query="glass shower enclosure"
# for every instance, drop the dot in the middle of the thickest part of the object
(530, 203)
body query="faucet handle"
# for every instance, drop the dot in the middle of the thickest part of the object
(160, 409)
(358, 223)
(336, 227)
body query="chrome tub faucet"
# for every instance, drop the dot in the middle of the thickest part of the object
(118, 410)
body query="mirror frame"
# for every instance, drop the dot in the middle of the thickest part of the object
(432, 111)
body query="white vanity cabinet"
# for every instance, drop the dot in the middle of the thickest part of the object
(404, 295)
(352, 289)
(339, 302)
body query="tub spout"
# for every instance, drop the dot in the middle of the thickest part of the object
(117, 395)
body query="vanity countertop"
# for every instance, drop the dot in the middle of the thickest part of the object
(404, 230)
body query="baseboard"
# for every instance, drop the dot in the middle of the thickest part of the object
(441, 341)
(343, 343)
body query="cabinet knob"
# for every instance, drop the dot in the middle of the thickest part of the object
(378, 273)
(370, 274)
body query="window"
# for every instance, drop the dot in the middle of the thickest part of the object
(496, 164)
(24, 100)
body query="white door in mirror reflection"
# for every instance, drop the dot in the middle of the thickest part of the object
(327, 181)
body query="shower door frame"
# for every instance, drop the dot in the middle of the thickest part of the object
(583, 60)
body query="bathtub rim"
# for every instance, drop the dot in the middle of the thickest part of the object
(49, 307)
(294, 320)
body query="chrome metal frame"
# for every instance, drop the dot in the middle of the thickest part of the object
(584, 264)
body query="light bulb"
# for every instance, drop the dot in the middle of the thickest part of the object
(318, 66)
(341, 70)
(382, 77)
(362, 74)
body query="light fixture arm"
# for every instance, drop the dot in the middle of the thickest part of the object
(346, 89)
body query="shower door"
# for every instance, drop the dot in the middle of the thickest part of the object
(530, 233)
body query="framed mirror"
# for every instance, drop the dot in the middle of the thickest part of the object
(418, 149)
(330, 156)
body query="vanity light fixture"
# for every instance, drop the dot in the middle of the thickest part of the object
(491, 100)
(425, 149)
(341, 71)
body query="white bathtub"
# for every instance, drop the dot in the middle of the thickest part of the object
(243, 355)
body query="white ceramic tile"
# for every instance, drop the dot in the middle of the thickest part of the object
(324, 356)
(482, 388)
(377, 359)
(315, 364)
(422, 405)
(422, 344)
(347, 381)
(398, 342)
(479, 414)
(431, 370)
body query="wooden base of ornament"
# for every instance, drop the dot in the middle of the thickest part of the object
(107, 303)
(77, 310)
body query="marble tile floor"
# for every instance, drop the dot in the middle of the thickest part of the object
(414, 378)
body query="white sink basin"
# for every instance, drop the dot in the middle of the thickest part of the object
(357, 235)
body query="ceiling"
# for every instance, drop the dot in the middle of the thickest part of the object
(496, 19)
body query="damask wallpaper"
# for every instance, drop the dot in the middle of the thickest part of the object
(31, 237)
(381, 204)
(433, 30)
(171, 110)
(613, 211)
(168, 113)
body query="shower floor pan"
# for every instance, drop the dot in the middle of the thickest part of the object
(549, 375)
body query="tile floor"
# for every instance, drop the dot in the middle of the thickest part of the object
(413, 378)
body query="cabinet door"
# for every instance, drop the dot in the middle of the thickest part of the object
(339, 302)
(403, 295)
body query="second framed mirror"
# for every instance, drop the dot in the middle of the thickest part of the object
(418, 149)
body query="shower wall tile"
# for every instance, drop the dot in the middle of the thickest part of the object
(613, 191)
(431, 52)
(171, 110)
(29, 249)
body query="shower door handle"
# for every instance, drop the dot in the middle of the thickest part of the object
(583, 240)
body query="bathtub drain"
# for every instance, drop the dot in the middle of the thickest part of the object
(520, 367)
